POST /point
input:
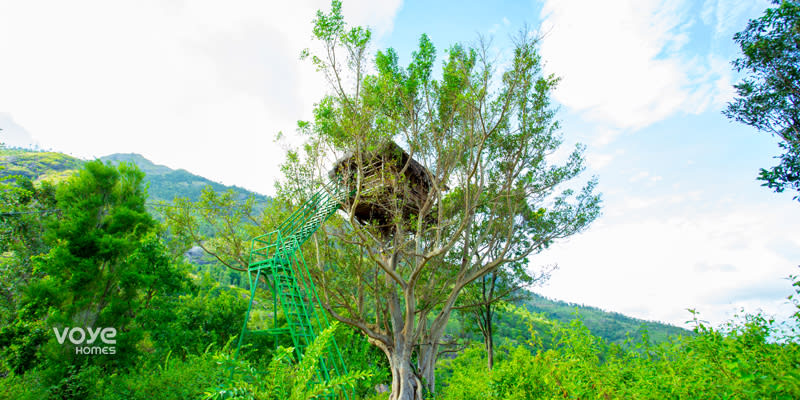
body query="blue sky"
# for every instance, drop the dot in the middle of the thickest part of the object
(197, 86)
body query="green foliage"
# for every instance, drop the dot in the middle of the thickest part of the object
(94, 265)
(169, 378)
(19, 344)
(359, 355)
(282, 379)
(103, 263)
(208, 314)
(465, 375)
(769, 95)
(163, 183)
(105, 259)
(481, 298)
(36, 165)
(750, 358)
(218, 272)
(220, 224)
(26, 210)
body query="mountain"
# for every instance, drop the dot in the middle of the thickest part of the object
(511, 329)
(164, 183)
(36, 165)
(147, 166)
(167, 183)
(611, 326)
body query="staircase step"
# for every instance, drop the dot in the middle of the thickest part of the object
(277, 255)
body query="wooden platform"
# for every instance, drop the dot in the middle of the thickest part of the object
(391, 183)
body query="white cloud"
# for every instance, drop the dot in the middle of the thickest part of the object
(13, 135)
(504, 24)
(604, 135)
(714, 262)
(638, 176)
(645, 177)
(614, 70)
(628, 64)
(729, 16)
(599, 160)
(197, 85)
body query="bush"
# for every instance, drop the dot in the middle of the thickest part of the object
(282, 379)
(172, 379)
(746, 359)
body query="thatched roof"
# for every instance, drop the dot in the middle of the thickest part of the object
(380, 171)
(389, 150)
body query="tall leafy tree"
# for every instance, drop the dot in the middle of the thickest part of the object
(26, 210)
(769, 95)
(219, 223)
(106, 262)
(104, 219)
(480, 299)
(494, 196)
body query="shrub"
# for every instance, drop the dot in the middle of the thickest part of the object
(749, 358)
(282, 378)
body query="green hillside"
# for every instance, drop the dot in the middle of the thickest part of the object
(36, 165)
(198, 307)
(164, 183)
(610, 326)
(147, 166)
(510, 329)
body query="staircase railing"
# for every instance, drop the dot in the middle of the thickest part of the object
(277, 256)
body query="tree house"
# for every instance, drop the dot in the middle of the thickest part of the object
(391, 183)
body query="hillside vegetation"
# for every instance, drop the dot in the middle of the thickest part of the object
(611, 326)
(37, 166)
(176, 321)
(163, 183)
(123, 279)
(166, 184)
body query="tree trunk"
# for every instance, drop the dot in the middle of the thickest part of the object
(427, 365)
(488, 338)
(489, 350)
(405, 383)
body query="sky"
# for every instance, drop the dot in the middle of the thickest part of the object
(205, 86)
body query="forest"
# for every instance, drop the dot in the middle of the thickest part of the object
(398, 271)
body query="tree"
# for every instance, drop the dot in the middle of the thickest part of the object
(494, 200)
(220, 224)
(26, 209)
(769, 95)
(105, 263)
(486, 142)
(104, 218)
(503, 285)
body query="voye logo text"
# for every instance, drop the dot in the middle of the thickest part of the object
(86, 339)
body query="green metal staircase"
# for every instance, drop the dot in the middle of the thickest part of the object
(277, 258)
